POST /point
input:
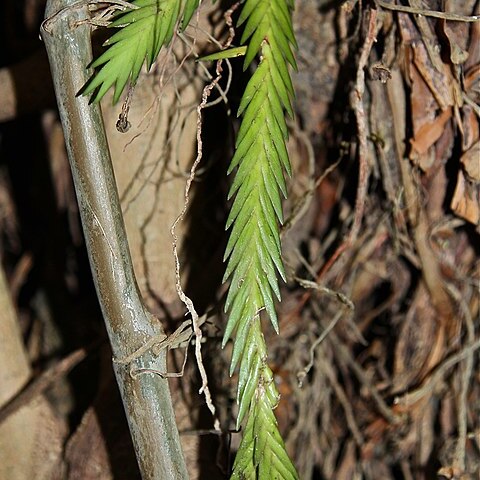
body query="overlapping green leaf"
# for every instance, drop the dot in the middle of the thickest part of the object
(262, 453)
(143, 32)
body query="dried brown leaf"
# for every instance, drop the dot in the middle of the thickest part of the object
(466, 200)
(420, 344)
(430, 132)
(471, 162)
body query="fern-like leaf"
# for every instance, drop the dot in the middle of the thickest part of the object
(142, 33)
(253, 250)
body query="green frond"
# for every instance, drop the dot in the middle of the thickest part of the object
(262, 453)
(253, 252)
(189, 10)
(222, 54)
(268, 21)
(246, 395)
(143, 31)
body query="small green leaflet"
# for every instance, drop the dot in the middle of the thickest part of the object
(223, 54)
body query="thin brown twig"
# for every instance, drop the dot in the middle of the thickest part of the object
(438, 373)
(455, 17)
(356, 102)
(139, 371)
(341, 297)
(160, 342)
(344, 354)
(47, 378)
(181, 294)
(345, 402)
(20, 273)
(465, 378)
(301, 207)
(362, 129)
(304, 372)
(102, 19)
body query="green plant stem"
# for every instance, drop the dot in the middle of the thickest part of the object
(253, 250)
(146, 397)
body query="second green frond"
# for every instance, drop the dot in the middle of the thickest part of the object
(142, 33)
(261, 156)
